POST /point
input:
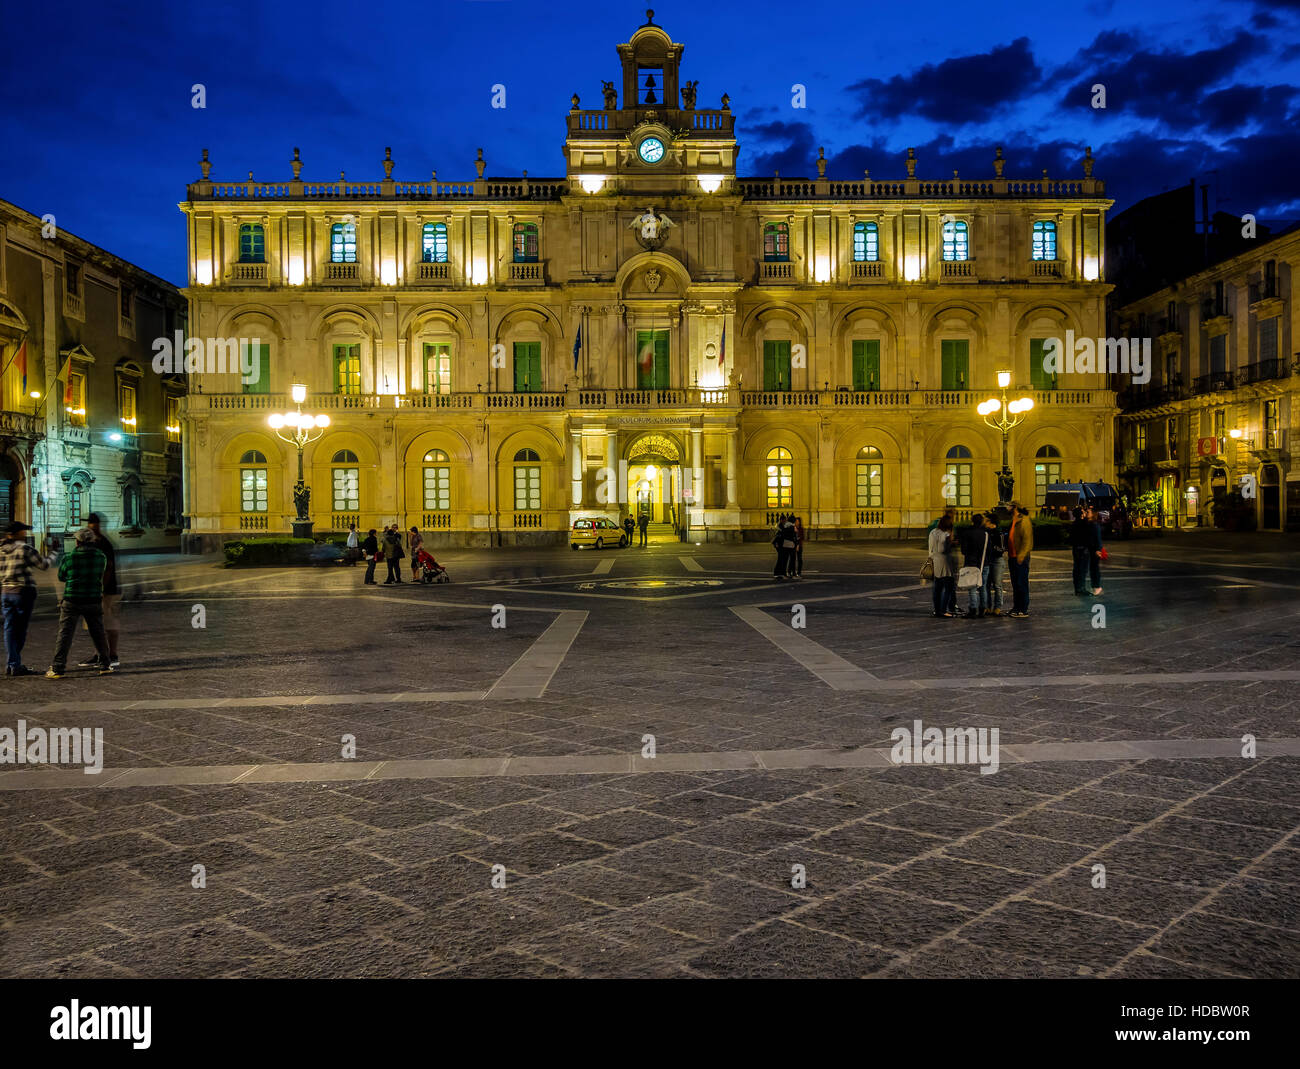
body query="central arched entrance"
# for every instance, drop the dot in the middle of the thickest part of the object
(654, 483)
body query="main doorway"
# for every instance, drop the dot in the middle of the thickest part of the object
(654, 484)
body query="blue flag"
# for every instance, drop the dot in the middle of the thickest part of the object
(577, 346)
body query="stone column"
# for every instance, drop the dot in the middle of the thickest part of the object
(697, 467)
(575, 471)
(733, 444)
(611, 465)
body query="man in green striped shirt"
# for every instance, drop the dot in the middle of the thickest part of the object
(82, 572)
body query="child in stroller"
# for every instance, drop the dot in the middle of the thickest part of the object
(428, 570)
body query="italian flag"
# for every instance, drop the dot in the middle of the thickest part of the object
(66, 376)
(647, 355)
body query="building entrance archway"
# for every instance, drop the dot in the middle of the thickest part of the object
(654, 482)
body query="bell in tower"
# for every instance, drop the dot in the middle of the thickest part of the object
(650, 61)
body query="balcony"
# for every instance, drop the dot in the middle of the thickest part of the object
(1212, 383)
(22, 424)
(867, 271)
(532, 273)
(342, 274)
(1050, 269)
(1264, 370)
(776, 271)
(433, 273)
(951, 269)
(248, 274)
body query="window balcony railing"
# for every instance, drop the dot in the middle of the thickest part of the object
(1263, 370)
(527, 519)
(869, 518)
(866, 271)
(22, 424)
(436, 521)
(956, 269)
(433, 272)
(523, 399)
(1217, 380)
(531, 273)
(339, 520)
(1046, 268)
(242, 274)
(253, 521)
(776, 271)
(73, 305)
(342, 272)
(1264, 291)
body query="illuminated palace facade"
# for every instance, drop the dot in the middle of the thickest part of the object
(748, 346)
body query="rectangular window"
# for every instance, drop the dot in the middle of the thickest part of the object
(1045, 473)
(72, 278)
(1268, 339)
(871, 486)
(776, 365)
(1171, 438)
(437, 489)
(262, 369)
(77, 410)
(1271, 436)
(528, 366)
(437, 368)
(1220, 423)
(1218, 355)
(252, 489)
(128, 302)
(126, 407)
(347, 369)
(347, 489)
(652, 359)
(776, 242)
(173, 405)
(526, 245)
(528, 487)
(959, 480)
(780, 486)
(1140, 442)
(955, 360)
(866, 364)
(1039, 379)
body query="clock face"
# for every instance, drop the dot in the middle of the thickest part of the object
(651, 150)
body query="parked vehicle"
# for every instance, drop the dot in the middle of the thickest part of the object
(596, 532)
(1062, 497)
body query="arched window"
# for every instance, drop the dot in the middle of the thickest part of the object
(776, 242)
(346, 481)
(866, 242)
(437, 481)
(525, 243)
(957, 477)
(252, 482)
(1046, 471)
(76, 505)
(252, 243)
(1044, 241)
(780, 479)
(433, 243)
(528, 481)
(956, 245)
(871, 478)
(343, 243)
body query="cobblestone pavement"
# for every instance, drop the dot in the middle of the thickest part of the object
(690, 870)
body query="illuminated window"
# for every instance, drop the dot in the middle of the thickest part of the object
(528, 481)
(955, 243)
(437, 481)
(126, 407)
(343, 243)
(871, 478)
(173, 408)
(525, 243)
(866, 242)
(252, 482)
(252, 244)
(1046, 471)
(437, 368)
(780, 479)
(346, 481)
(433, 248)
(1271, 435)
(347, 369)
(77, 409)
(776, 242)
(957, 477)
(1044, 241)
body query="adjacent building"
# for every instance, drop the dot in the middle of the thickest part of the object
(646, 332)
(87, 425)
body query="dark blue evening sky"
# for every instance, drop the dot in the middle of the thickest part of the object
(96, 123)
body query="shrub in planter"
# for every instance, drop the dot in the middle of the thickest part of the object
(1050, 533)
(268, 550)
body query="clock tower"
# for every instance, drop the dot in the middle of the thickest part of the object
(649, 137)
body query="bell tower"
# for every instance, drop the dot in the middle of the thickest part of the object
(651, 138)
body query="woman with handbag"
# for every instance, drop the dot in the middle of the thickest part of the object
(974, 577)
(941, 563)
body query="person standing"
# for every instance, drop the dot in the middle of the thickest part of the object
(112, 595)
(414, 540)
(796, 558)
(783, 541)
(82, 572)
(1020, 544)
(393, 554)
(1095, 546)
(997, 552)
(629, 526)
(976, 545)
(941, 561)
(643, 525)
(18, 593)
(370, 547)
(353, 545)
(1080, 549)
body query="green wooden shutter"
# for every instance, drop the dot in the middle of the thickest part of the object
(776, 365)
(347, 369)
(262, 363)
(1038, 378)
(956, 364)
(661, 360)
(654, 377)
(866, 364)
(528, 366)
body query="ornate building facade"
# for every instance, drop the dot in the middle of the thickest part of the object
(1222, 409)
(648, 332)
(86, 424)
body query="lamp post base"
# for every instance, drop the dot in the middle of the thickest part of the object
(301, 528)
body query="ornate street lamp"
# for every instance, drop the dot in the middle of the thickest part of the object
(298, 429)
(1010, 414)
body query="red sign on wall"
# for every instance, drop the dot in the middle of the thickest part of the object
(1207, 447)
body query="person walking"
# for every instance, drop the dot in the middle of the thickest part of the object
(1020, 544)
(370, 548)
(1080, 549)
(975, 544)
(941, 561)
(18, 593)
(112, 596)
(393, 554)
(1095, 550)
(629, 526)
(354, 545)
(997, 554)
(82, 572)
(414, 541)
(643, 524)
(796, 558)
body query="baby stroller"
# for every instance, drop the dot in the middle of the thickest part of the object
(428, 570)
